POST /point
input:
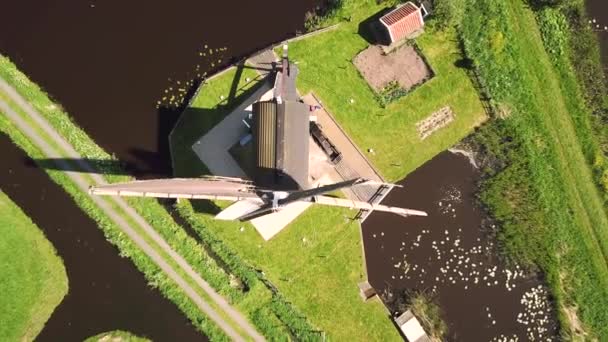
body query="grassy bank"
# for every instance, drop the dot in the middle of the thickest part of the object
(116, 336)
(33, 280)
(545, 195)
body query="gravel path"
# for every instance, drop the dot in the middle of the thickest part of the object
(106, 206)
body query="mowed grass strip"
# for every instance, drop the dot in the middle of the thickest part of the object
(154, 275)
(151, 211)
(33, 279)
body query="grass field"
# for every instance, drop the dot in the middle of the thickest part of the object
(316, 264)
(33, 280)
(552, 212)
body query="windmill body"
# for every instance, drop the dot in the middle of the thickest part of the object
(281, 187)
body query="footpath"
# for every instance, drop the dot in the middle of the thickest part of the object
(140, 234)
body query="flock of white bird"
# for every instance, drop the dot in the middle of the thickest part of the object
(452, 264)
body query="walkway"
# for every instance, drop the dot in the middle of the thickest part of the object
(353, 164)
(212, 149)
(107, 206)
(263, 61)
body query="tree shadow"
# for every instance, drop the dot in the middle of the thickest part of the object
(464, 63)
(205, 206)
(82, 165)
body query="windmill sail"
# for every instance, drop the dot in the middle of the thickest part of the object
(346, 203)
(251, 201)
(193, 188)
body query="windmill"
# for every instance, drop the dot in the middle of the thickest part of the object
(281, 134)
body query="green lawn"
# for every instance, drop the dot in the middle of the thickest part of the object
(33, 280)
(316, 263)
(326, 69)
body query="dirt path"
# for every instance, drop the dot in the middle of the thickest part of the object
(105, 204)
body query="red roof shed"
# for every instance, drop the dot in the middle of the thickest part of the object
(403, 21)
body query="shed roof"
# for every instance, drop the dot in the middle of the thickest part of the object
(403, 21)
(399, 13)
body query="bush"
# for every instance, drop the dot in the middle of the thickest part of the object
(323, 15)
(448, 13)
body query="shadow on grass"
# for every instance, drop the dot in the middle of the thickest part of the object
(196, 122)
(372, 31)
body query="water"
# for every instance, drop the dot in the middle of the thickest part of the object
(106, 291)
(450, 255)
(109, 62)
(598, 10)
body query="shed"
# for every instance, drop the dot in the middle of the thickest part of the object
(403, 22)
(411, 328)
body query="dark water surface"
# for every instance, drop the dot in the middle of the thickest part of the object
(598, 10)
(109, 62)
(106, 292)
(451, 257)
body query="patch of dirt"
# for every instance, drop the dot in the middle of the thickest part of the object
(435, 121)
(403, 66)
(577, 331)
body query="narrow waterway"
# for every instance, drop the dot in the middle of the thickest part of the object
(109, 62)
(106, 291)
(598, 12)
(450, 256)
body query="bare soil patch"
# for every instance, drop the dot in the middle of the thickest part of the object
(403, 66)
(434, 122)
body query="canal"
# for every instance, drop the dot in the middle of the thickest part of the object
(106, 291)
(109, 62)
(450, 255)
(598, 11)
